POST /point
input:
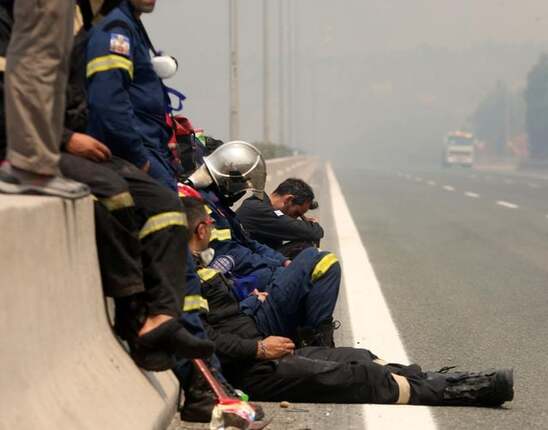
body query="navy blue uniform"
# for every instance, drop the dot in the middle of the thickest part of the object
(302, 295)
(249, 258)
(126, 98)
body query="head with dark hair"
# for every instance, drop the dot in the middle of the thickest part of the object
(199, 223)
(294, 197)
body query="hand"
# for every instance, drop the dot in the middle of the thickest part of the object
(309, 218)
(274, 347)
(83, 145)
(146, 167)
(286, 263)
(261, 295)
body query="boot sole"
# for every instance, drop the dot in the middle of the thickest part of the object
(504, 383)
(31, 190)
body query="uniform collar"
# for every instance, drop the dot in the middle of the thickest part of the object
(127, 9)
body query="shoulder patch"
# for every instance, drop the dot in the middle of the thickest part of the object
(279, 213)
(223, 263)
(119, 44)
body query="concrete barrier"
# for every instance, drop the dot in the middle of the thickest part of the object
(61, 367)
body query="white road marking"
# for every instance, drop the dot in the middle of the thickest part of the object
(370, 319)
(507, 204)
(431, 183)
(533, 185)
(448, 188)
(418, 179)
(473, 195)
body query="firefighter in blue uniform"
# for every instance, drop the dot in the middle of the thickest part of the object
(127, 100)
(248, 260)
(225, 176)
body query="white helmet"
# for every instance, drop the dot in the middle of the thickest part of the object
(235, 167)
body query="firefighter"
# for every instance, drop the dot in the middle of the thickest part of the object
(269, 367)
(127, 100)
(279, 220)
(140, 229)
(298, 303)
(225, 176)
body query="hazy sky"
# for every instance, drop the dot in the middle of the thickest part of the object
(196, 32)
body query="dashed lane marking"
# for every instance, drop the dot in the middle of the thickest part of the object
(448, 188)
(473, 195)
(432, 183)
(369, 317)
(507, 204)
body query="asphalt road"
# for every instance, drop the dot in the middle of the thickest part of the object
(462, 259)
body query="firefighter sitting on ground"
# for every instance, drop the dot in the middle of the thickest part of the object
(269, 367)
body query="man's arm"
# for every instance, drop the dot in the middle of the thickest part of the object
(263, 221)
(112, 119)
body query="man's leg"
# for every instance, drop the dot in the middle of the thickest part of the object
(348, 375)
(116, 227)
(163, 237)
(324, 375)
(35, 82)
(302, 295)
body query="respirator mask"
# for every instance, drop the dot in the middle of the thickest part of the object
(206, 256)
(165, 66)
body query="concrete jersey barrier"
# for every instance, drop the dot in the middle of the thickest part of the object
(61, 365)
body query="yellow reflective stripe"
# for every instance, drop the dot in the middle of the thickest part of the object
(119, 201)
(323, 266)
(109, 62)
(208, 209)
(206, 274)
(195, 303)
(221, 234)
(2, 64)
(161, 221)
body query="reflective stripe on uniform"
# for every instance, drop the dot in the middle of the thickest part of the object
(2, 64)
(109, 62)
(119, 201)
(323, 266)
(161, 221)
(207, 273)
(221, 234)
(208, 209)
(195, 303)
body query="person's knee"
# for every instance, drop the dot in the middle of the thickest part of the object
(326, 264)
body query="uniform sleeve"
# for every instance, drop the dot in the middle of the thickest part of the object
(193, 302)
(232, 346)
(265, 223)
(109, 72)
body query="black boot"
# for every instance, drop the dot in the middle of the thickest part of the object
(200, 399)
(320, 336)
(489, 388)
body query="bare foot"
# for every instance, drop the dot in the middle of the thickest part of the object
(152, 322)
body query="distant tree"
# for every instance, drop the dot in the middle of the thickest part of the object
(536, 99)
(499, 117)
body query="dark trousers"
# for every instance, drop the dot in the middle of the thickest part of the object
(333, 375)
(141, 239)
(297, 299)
